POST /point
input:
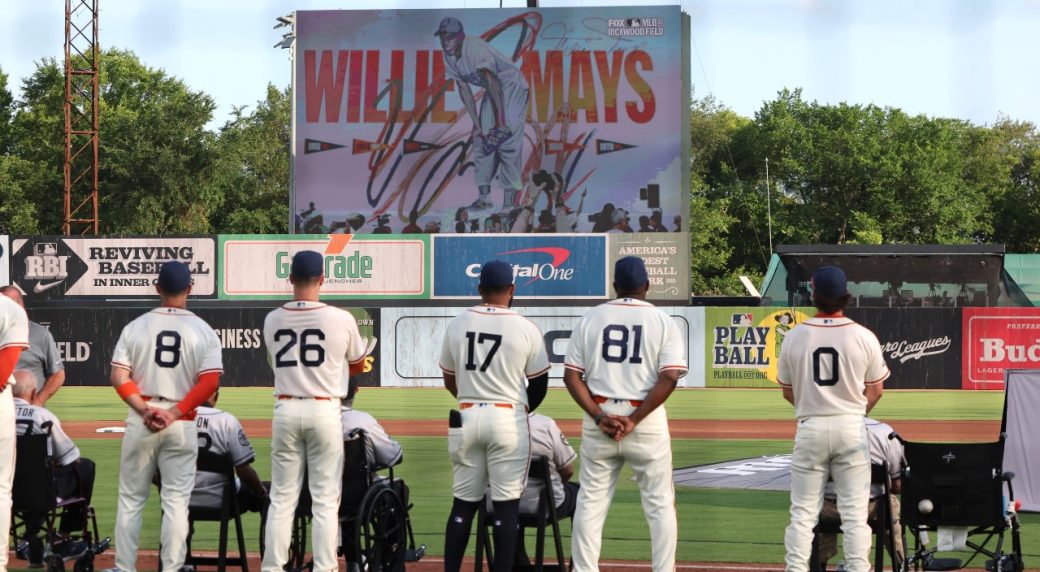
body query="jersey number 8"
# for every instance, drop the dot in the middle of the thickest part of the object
(167, 349)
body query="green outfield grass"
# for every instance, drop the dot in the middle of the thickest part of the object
(96, 403)
(714, 525)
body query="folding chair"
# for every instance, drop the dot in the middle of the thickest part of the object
(544, 516)
(964, 486)
(210, 462)
(33, 492)
(880, 524)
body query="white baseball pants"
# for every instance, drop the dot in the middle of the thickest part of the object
(174, 451)
(7, 458)
(493, 446)
(307, 435)
(837, 446)
(648, 450)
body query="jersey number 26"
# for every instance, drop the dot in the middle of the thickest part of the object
(311, 353)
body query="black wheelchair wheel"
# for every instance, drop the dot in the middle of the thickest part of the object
(55, 563)
(381, 533)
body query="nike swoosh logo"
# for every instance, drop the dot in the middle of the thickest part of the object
(41, 287)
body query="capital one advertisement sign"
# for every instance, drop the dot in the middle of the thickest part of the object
(553, 119)
(550, 266)
(996, 339)
(257, 267)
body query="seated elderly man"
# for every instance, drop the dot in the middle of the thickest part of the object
(221, 433)
(73, 475)
(384, 451)
(547, 440)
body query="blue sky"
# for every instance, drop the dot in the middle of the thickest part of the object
(970, 59)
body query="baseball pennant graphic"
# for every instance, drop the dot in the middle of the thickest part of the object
(315, 146)
(362, 146)
(604, 146)
(413, 146)
(553, 147)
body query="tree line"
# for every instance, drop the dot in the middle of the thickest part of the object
(840, 173)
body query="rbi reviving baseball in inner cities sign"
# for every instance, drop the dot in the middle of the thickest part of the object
(537, 120)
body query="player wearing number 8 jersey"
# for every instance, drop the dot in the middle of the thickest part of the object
(313, 349)
(494, 361)
(166, 363)
(624, 359)
(831, 369)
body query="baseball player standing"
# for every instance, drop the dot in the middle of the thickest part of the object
(624, 359)
(166, 363)
(311, 346)
(14, 337)
(498, 127)
(489, 351)
(831, 369)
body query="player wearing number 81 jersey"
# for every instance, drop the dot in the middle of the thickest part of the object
(831, 369)
(624, 359)
(166, 363)
(489, 354)
(313, 349)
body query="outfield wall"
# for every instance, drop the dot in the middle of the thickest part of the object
(926, 348)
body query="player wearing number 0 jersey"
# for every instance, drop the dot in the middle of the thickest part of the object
(831, 369)
(624, 359)
(14, 337)
(166, 363)
(311, 347)
(494, 362)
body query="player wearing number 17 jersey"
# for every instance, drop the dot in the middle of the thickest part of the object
(166, 363)
(831, 369)
(624, 359)
(494, 362)
(312, 346)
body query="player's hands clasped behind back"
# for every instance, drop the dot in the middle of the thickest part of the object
(156, 419)
(616, 426)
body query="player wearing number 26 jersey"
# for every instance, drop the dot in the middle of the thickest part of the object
(313, 348)
(494, 362)
(831, 369)
(166, 363)
(624, 359)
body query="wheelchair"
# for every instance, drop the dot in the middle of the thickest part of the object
(35, 500)
(960, 485)
(375, 529)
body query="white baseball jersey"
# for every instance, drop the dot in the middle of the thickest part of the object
(219, 432)
(384, 452)
(476, 55)
(166, 350)
(546, 441)
(621, 347)
(14, 327)
(310, 345)
(491, 351)
(60, 447)
(828, 362)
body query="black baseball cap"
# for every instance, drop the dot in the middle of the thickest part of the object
(630, 273)
(830, 282)
(307, 264)
(496, 273)
(174, 277)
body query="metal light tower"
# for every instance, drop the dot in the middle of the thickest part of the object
(81, 117)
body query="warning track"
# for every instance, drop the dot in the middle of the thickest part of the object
(945, 431)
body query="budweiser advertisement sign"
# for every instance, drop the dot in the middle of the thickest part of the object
(996, 339)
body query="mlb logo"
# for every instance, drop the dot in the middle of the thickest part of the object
(46, 249)
(743, 320)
